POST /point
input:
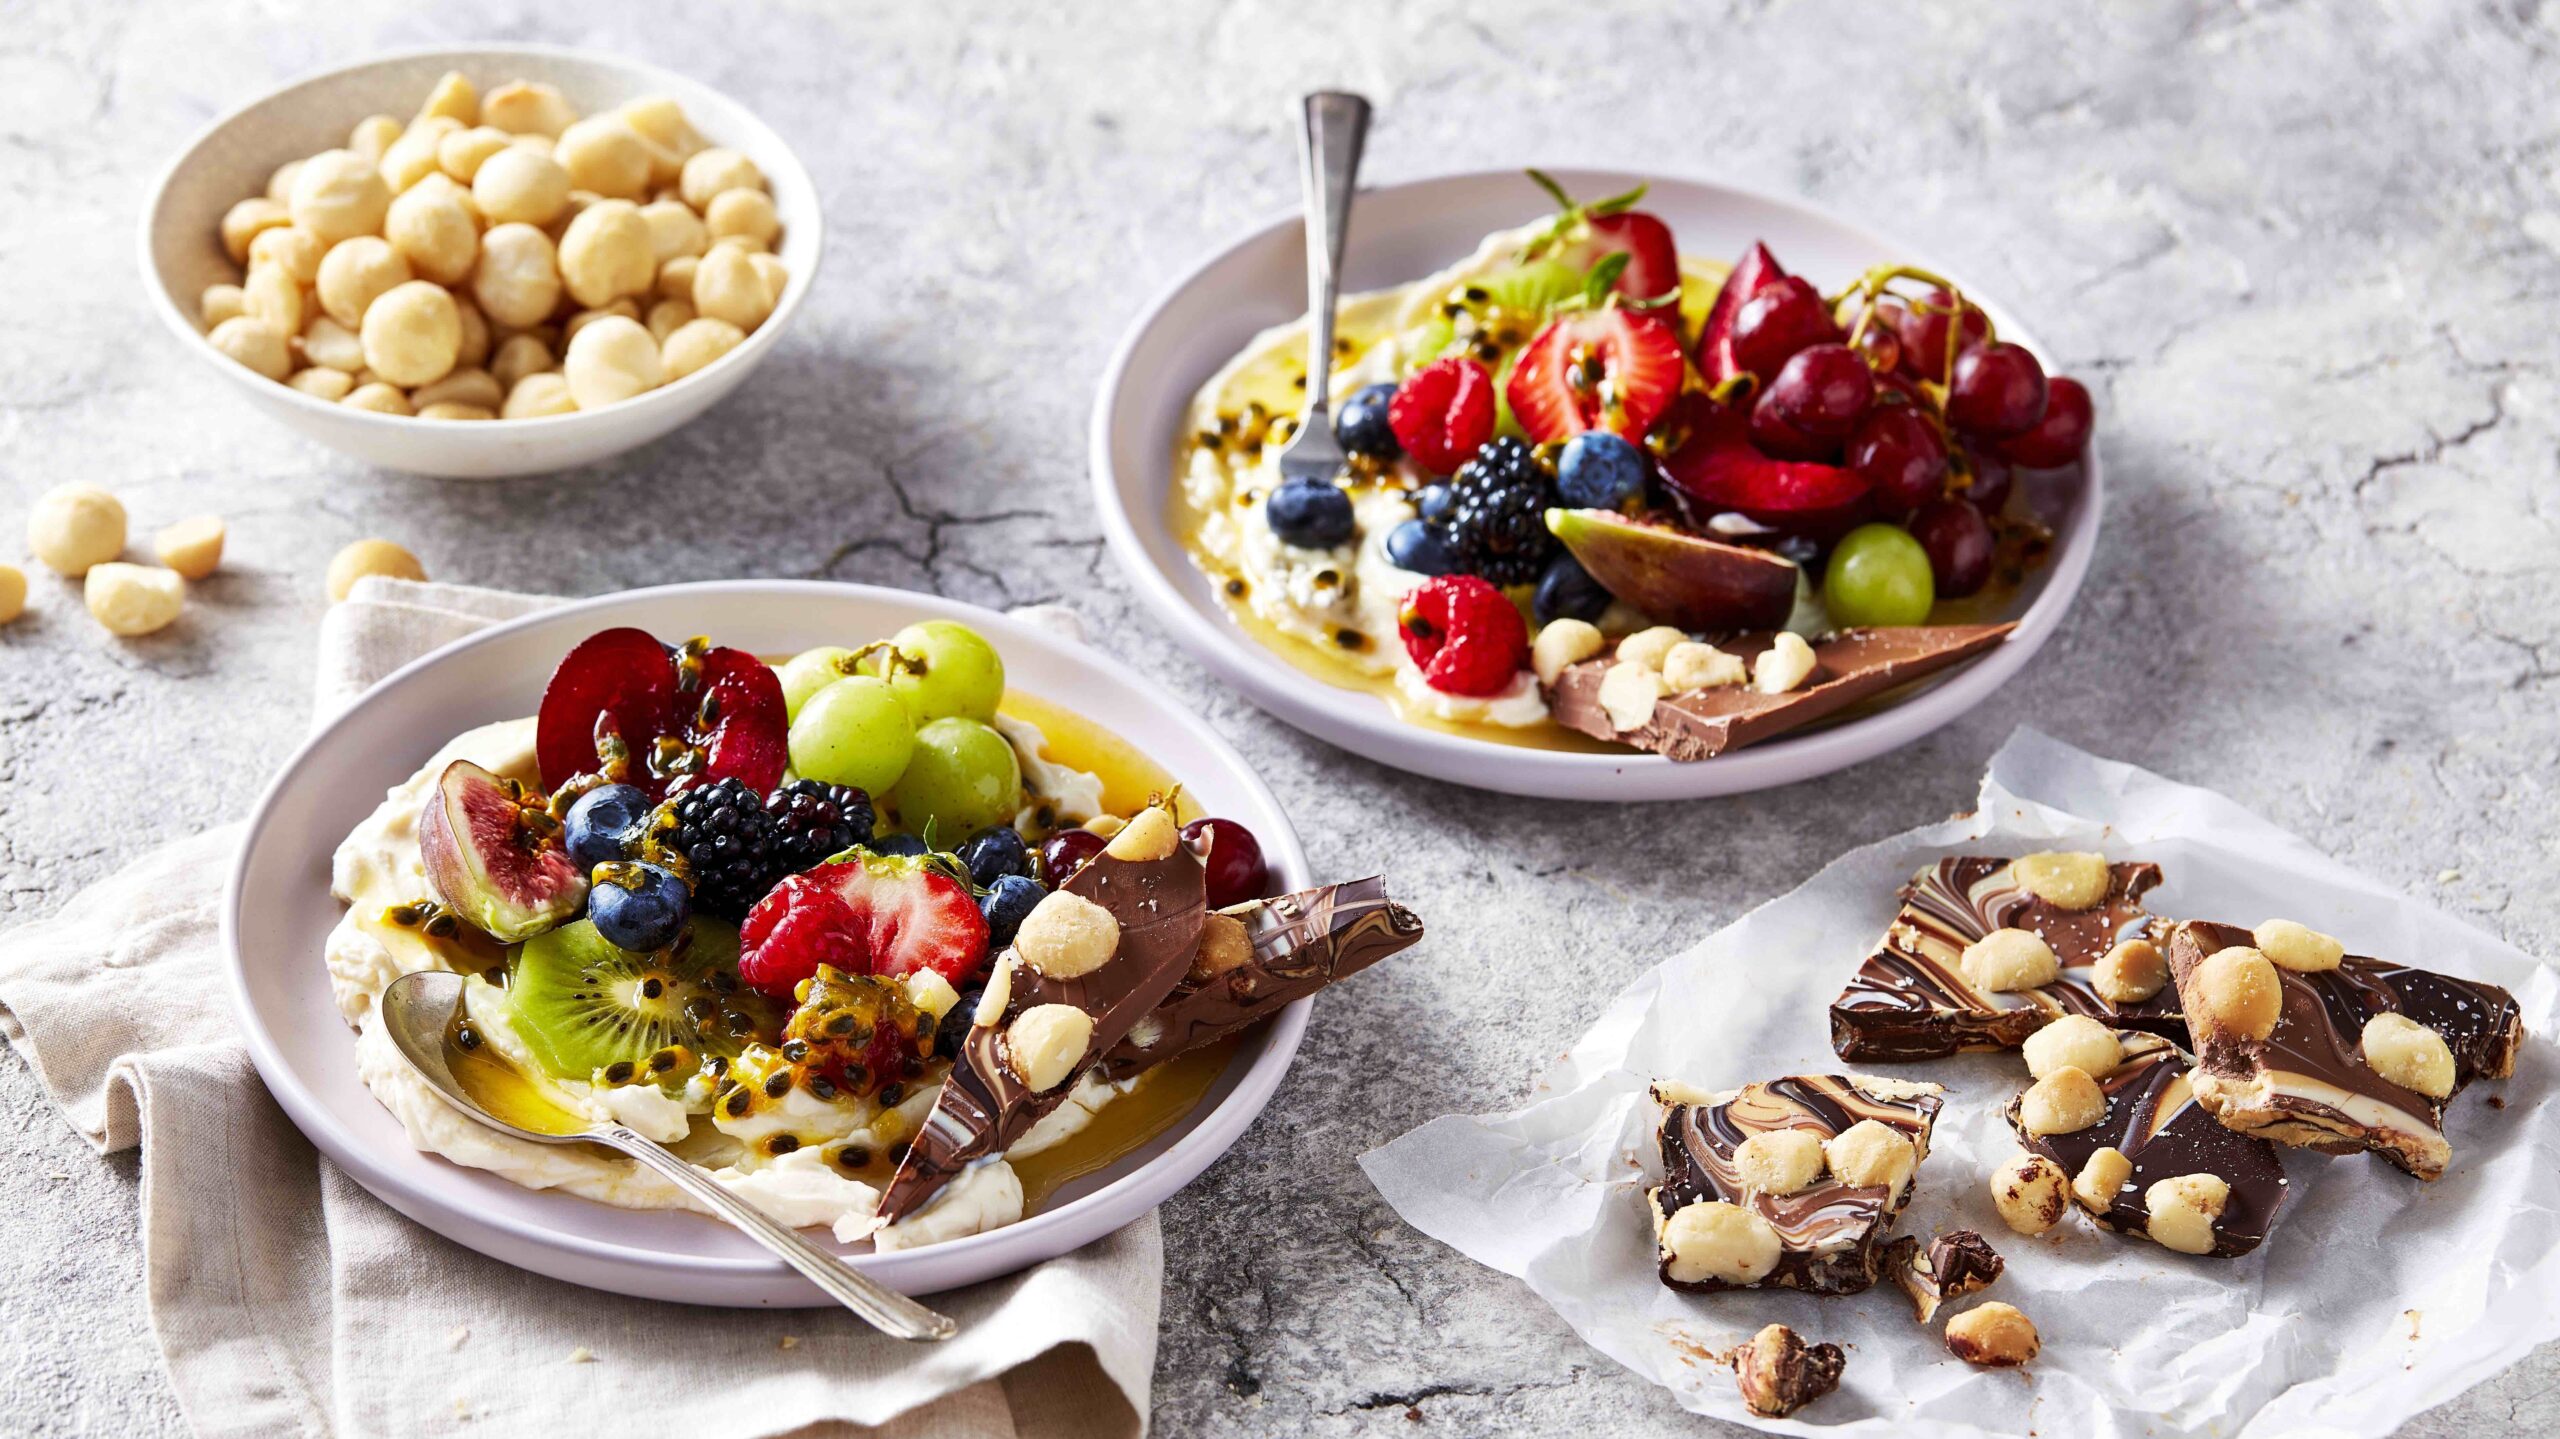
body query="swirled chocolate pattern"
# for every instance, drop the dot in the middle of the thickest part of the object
(2307, 1082)
(2154, 1119)
(1298, 943)
(1911, 999)
(1832, 1235)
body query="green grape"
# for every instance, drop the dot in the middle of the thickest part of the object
(810, 671)
(941, 668)
(962, 779)
(855, 731)
(1879, 575)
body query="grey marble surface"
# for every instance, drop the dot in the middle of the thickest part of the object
(2304, 254)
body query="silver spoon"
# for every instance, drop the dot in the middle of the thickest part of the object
(1329, 165)
(419, 1009)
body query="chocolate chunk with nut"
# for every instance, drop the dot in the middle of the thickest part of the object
(1779, 1373)
(1953, 1265)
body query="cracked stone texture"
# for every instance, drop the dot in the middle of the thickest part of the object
(2302, 254)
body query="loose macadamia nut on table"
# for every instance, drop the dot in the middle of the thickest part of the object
(13, 593)
(2075, 1041)
(192, 547)
(518, 280)
(612, 360)
(339, 195)
(519, 186)
(133, 600)
(1993, 1335)
(256, 344)
(357, 272)
(371, 557)
(2028, 1192)
(412, 334)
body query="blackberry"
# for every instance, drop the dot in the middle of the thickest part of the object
(818, 821)
(732, 845)
(1498, 513)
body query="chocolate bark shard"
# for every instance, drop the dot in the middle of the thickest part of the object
(2153, 1119)
(2307, 1083)
(984, 1106)
(1295, 944)
(1831, 1235)
(1849, 666)
(1911, 999)
(1779, 1373)
(1955, 1264)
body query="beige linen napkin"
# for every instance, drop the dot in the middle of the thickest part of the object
(288, 1300)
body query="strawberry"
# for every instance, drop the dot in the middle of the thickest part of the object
(1609, 369)
(888, 915)
(1717, 470)
(722, 708)
(1756, 268)
(1466, 635)
(1585, 235)
(1443, 413)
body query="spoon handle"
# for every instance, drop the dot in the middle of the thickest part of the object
(1329, 165)
(884, 1308)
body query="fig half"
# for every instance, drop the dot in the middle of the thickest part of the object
(494, 856)
(1678, 578)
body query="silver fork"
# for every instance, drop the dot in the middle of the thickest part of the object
(1329, 163)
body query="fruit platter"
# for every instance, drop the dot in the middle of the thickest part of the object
(1827, 478)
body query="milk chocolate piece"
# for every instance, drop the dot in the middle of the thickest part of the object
(1831, 1234)
(1911, 999)
(1849, 665)
(984, 1106)
(2154, 1120)
(2307, 1084)
(1955, 1264)
(1296, 944)
(1779, 1373)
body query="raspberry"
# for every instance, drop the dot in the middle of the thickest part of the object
(1443, 413)
(1466, 636)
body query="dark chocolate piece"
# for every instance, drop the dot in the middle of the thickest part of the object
(1831, 1235)
(1911, 999)
(2154, 1121)
(1780, 1373)
(984, 1106)
(1294, 945)
(1849, 666)
(2307, 1083)
(1956, 1263)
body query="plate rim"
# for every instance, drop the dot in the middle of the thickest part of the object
(1302, 701)
(1069, 1225)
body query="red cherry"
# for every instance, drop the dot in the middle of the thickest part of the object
(1923, 330)
(2062, 435)
(1958, 541)
(1896, 450)
(1236, 869)
(1786, 316)
(1998, 390)
(1063, 853)
(1822, 390)
(1776, 437)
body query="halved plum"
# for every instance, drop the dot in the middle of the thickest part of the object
(1756, 268)
(1717, 470)
(494, 858)
(680, 716)
(1677, 578)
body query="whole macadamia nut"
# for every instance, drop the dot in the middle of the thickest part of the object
(322, 382)
(454, 98)
(747, 213)
(357, 272)
(518, 279)
(2006, 960)
(327, 343)
(371, 557)
(413, 157)
(1872, 1153)
(709, 172)
(290, 248)
(461, 153)
(13, 593)
(523, 108)
(380, 398)
(519, 186)
(518, 356)
(431, 225)
(537, 395)
(339, 195)
(476, 335)
(271, 295)
(674, 230)
(675, 278)
(1066, 935)
(373, 137)
(2029, 1193)
(133, 600)
(1713, 1240)
(696, 343)
(477, 388)
(776, 275)
(220, 303)
(256, 344)
(193, 547)
(1779, 1161)
(246, 220)
(666, 317)
(727, 287)
(280, 184)
(2075, 1041)
(2239, 992)
(2063, 1102)
(672, 140)
(1993, 1335)
(605, 254)
(412, 334)
(604, 154)
(75, 526)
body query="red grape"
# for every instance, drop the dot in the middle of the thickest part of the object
(1924, 333)
(1822, 390)
(1897, 451)
(2059, 438)
(1061, 854)
(1958, 540)
(1998, 390)
(1988, 480)
(1879, 346)
(1236, 870)
(1784, 317)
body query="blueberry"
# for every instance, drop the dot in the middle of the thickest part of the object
(896, 844)
(1007, 902)
(1601, 471)
(640, 908)
(1436, 503)
(600, 824)
(1422, 548)
(994, 853)
(1311, 514)
(1361, 427)
(1568, 592)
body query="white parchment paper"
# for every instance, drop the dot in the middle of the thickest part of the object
(2375, 1297)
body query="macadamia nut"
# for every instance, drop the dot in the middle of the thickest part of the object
(1784, 665)
(289, 248)
(776, 276)
(2408, 1054)
(462, 387)
(455, 410)
(2239, 992)
(727, 287)
(1561, 643)
(2298, 947)
(1992, 1335)
(519, 186)
(254, 343)
(461, 153)
(1067, 935)
(1872, 1153)
(1650, 648)
(604, 154)
(518, 356)
(414, 156)
(220, 303)
(73, 527)
(1628, 692)
(280, 183)
(2028, 1193)
(322, 382)
(2101, 1178)
(745, 213)
(1045, 1044)
(675, 277)
(612, 360)
(672, 139)
(432, 227)
(339, 195)
(709, 172)
(2064, 879)
(1713, 1240)
(2006, 960)
(380, 398)
(1693, 666)
(666, 317)
(2075, 1041)
(454, 98)
(2130, 973)
(412, 334)
(244, 222)
(524, 108)
(270, 295)
(2184, 1210)
(133, 600)
(1779, 1161)
(696, 343)
(517, 282)
(192, 547)
(1149, 835)
(357, 272)
(2063, 1102)
(674, 230)
(13, 593)
(537, 395)
(371, 557)
(373, 137)
(605, 254)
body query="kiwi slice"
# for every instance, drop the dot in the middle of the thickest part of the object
(584, 1005)
(1526, 295)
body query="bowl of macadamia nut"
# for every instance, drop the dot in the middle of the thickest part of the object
(487, 262)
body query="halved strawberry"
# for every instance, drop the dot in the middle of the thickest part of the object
(1607, 369)
(724, 708)
(1584, 235)
(889, 915)
(1717, 470)
(1756, 268)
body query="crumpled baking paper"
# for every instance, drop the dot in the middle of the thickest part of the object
(2374, 1298)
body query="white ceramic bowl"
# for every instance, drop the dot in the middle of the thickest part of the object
(1399, 234)
(278, 913)
(232, 158)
